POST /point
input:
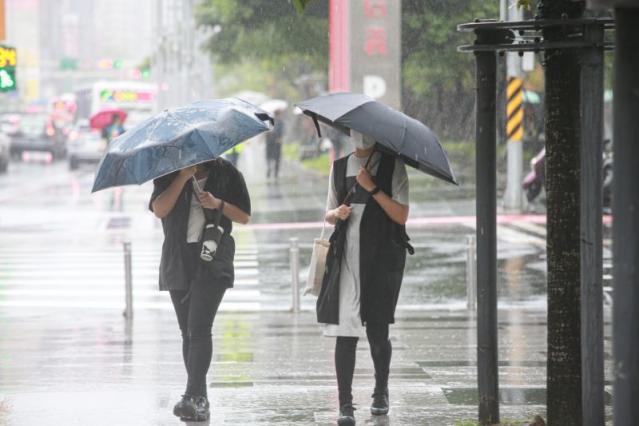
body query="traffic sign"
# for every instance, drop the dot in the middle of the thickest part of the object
(8, 62)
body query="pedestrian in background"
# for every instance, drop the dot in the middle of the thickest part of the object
(365, 264)
(274, 140)
(183, 200)
(113, 130)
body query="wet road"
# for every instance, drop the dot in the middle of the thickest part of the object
(67, 356)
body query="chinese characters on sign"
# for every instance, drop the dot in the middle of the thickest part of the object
(375, 38)
(8, 62)
(375, 41)
(365, 48)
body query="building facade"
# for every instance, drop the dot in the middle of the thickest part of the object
(180, 67)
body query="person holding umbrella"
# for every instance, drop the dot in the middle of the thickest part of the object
(368, 203)
(114, 129)
(183, 201)
(198, 195)
(373, 215)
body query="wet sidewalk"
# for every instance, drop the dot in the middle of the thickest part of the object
(83, 367)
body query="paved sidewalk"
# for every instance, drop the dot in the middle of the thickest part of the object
(87, 367)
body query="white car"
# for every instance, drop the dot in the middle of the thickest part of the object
(87, 148)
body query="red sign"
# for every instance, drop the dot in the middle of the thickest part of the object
(375, 42)
(375, 8)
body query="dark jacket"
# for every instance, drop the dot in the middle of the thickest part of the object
(383, 246)
(224, 182)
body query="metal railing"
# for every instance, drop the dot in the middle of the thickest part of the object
(128, 281)
(471, 272)
(295, 274)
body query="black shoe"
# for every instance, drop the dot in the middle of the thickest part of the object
(346, 415)
(192, 408)
(380, 405)
(178, 409)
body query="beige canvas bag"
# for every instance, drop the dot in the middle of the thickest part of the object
(318, 264)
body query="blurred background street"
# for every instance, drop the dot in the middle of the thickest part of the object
(68, 355)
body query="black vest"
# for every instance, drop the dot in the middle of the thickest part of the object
(383, 246)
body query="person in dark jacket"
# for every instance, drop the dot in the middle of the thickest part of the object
(365, 264)
(185, 200)
(274, 140)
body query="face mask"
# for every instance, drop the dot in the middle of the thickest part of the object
(361, 141)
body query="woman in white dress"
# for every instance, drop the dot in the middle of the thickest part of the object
(368, 193)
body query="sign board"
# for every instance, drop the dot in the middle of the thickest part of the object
(365, 48)
(8, 62)
(125, 95)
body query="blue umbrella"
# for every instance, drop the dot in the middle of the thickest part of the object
(179, 138)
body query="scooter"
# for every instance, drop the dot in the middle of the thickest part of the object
(535, 179)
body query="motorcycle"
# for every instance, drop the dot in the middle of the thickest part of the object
(535, 179)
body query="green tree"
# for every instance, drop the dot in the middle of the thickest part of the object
(268, 41)
(269, 44)
(438, 81)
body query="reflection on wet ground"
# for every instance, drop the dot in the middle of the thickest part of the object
(269, 368)
(68, 357)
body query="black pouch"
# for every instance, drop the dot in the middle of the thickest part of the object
(211, 235)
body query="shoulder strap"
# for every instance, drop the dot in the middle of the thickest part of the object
(339, 177)
(385, 171)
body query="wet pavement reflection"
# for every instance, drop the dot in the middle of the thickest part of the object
(67, 356)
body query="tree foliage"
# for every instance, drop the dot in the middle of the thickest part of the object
(271, 36)
(437, 81)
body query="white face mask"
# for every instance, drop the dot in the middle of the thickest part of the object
(361, 141)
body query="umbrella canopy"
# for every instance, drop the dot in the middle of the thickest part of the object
(103, 118)
(179, 138)
(395, 132)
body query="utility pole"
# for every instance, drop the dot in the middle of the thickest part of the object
(514, 119)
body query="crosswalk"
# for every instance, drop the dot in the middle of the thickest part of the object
(94, 279)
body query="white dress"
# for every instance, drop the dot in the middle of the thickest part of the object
(350, 323)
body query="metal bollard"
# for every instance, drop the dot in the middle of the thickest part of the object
(128, 281)
(471, 273)
(295, 274)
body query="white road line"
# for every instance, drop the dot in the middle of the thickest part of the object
(74, 273)
(104, 282)
(234, 293)
(165, 305)
(510, 235)
(534, 228)
(50, 264)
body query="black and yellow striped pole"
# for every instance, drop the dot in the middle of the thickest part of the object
(515, 109)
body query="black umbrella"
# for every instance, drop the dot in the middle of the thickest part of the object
(395, 132)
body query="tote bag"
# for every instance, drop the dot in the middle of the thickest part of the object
(318, 264)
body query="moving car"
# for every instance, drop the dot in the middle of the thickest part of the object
(35, 139)
(86, 148)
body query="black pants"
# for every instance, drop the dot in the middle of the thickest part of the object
(381, 352)
(273, 155)
(195, 315)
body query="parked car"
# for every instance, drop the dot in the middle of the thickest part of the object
(86, 148)
(5, 143)
(35, 139)
(10, 123)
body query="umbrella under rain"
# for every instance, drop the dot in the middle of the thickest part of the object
(394, 131)
(179, 138)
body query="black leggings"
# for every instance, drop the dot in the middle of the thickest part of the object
(345, 350)
(195, 316)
